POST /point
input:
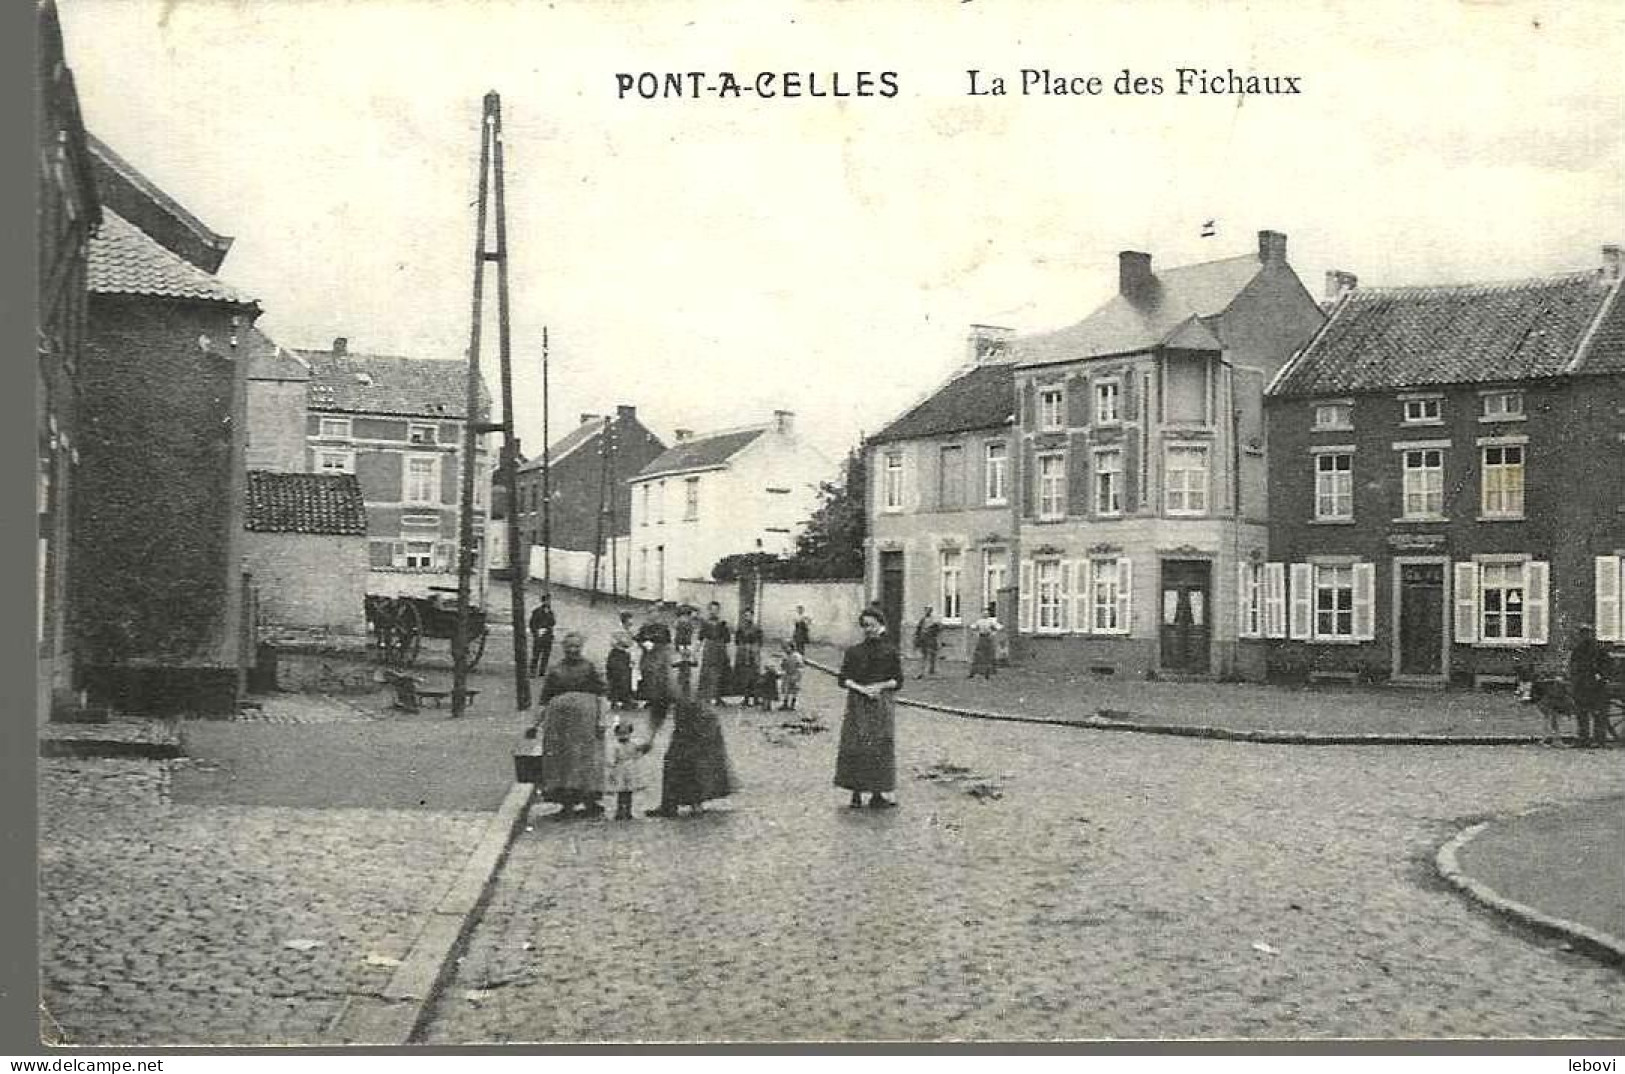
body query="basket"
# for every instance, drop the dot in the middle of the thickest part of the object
(527, 761)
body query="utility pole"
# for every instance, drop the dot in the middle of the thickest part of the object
(598, 533)
(490, 154)
(547, 486)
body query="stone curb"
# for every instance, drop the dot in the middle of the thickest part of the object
(1593, 942)
(399, 1013)
(153, 741)
(1104, 722)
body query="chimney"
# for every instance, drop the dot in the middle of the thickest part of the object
(1611, 262)
(1133, 272)
(682, 436)
(585, 417)
(1272, 247)
(988, 343)
(1339, 283)
(784, 420)
(626, 413)
(341, 347)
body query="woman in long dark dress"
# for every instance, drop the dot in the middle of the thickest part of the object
(572, 733)
(871, 674)
(714, 639)
(984, 656)
(748, 659)
(696, 769)
(654, 667)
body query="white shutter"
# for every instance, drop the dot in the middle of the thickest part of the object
(1610, 581)
(1125, 595)
(1083, 584)
(1365, 585)
(1275, 600)
(1466, 602)
(1536, 579)
(1024, 599)
(1244, 596)
(1302, 596)
(1065, 610)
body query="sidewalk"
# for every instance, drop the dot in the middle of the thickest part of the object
(1310, 715)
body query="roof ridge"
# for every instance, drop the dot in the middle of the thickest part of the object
(157, 193)
(1514, 284)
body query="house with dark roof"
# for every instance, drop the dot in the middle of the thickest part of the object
(1140, 465)
(159, 599)
(306, 548)
(278, 387)
(590, 519)
(942, 528)
(397, 424)
(67, 213)
(725, 493)
(1446, 501)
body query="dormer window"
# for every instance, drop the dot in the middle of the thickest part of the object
(1424, 410)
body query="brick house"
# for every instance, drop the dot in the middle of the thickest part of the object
(941, 517)
(397, 424)
(725, 493)
(1141, 469)
(588, 480)
(278, 388)
(159, 596)
(1445, 482)
(68, 214)
(307, 549)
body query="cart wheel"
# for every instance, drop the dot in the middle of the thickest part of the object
(408, 634)
(476, 647)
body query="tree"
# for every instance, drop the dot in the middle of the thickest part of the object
(831, 545)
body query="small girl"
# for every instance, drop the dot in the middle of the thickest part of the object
(767, 686)
(624, 773)
(618, 672)
(790, 676)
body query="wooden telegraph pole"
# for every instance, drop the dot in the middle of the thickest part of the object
(490, 183)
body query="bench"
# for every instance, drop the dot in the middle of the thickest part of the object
(410, 697)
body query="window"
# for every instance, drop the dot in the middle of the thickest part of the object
(414, 555)
(1051, 408)
(1051, 486)
(643, 564)
(1186, 477)
(335, 428)
(691, 498)
(1334, 487)
(1503, 406)
(1250, 600)
(335, 462)
(1108, 402)
(1050, 595)
(1502, 589)
(996, 474)
(660, 504)
(1502, 601)
(950, 576)
(891, 482)
(421, 521)
(1109, 482)
(1334, 601)
(951, 477)
(1334, 416)
(1426, 410)
(422, 479)
(1609, 598)
(995, 573)
(643, 515)
(1105, 597)
(1503, 481)
(1424, 483)
(421, 434)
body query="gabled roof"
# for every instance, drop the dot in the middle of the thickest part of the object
(1605, 353)
(268, 359)
(705, 453)
(352, 383)
(584, 433)
(1401, 337)
(982, 397)
(126, 190)
(124, 260)
(1151, 319)
(305, 503)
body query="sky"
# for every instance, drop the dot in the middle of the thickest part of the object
(711, 260)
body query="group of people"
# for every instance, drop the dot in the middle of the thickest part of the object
(984, 633)
(582, 758)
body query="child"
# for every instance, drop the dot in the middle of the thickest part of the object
(618, 672)
(790, 676)
(624, 773)
(767, 686)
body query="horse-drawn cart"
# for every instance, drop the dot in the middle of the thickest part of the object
(399, 624)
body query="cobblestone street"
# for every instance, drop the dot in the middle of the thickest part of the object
(1037, 883)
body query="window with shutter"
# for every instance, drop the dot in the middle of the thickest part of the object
(1466, 618)
(1536, 579)
(1275, 600)
(1063, 611)
(1610, 583)
(1125, 596)
(1250, 600)
(1082, 587)
(1302, 596)
(1365, 584)
(1025, 597)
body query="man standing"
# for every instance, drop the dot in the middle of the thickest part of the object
(1588, 685)
(928, 641)
(541, 636)
(801, 631)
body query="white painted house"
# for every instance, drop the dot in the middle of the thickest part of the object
(725, 493)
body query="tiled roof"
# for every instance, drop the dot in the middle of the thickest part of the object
(702, 454)
(1606, 351)
(1124, 325)
(268, 359)
(1473, 333)
(384, 384)
(982, 397)
(124, 260)
(584, 433)
(124, 188)
(305, 503)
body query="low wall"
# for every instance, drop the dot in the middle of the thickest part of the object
(569, 567)
(833, 607)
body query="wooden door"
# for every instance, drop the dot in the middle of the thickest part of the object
(1421, 619)
(1187, 615)
(891, 591)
